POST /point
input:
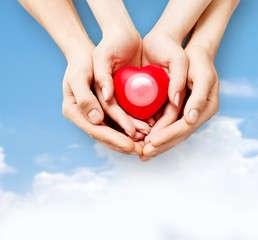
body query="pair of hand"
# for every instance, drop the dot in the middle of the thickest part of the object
(88, 84)
(189, 69)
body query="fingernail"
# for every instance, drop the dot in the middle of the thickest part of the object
(177, 99)
(143, 131)
(193, 116)
(128, 133)
(151, 124)
(94, 116)
(147, 140)
(105, 93)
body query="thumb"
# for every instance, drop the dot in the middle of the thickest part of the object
(103, 75)
(85, 99)
(198, 99)
(177, 74)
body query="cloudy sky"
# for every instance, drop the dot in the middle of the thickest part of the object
(57, 183)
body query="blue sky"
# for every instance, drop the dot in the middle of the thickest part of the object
(32, 69)
(34, 136)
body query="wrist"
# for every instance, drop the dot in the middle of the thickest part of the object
(210, 28)
(175, 36)
(110, 14)
(156, 35)
(177, 20)
(197, 48)
(120, 31)
(78, 49)
(210, 47)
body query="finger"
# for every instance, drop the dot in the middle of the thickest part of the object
(169, 115)
(102, 133)
(138, 136)
(141, 126)
(138, 148)
(177, 73)
(180, 130)
(202, 85)
(151, 121)
(149, 152)
(103, 74)
(117, 114)
(117, 149)
(79, 87)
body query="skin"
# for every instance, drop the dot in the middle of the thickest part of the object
(120, 46)
(60, 19)
(192, 67)
(202, 79)
(163, 44)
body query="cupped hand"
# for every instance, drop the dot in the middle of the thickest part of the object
(81, 106)
(203, 83)
(118, 48)
(161, 49)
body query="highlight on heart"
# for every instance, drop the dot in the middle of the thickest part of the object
(141, 92)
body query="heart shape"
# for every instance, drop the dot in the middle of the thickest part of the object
(141, 92)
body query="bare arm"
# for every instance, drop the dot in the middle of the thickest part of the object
(210, 28)
(180, 16)
(202, 78)
(120, 46)
(80, 105)
(61, 20)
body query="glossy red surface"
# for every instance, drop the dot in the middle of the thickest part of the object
(141, 92)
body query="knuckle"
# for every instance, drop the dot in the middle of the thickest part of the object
(98, 78)
(200, 103)
(209, 76)
(84, 103)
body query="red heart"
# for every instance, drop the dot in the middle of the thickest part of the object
(141, 92)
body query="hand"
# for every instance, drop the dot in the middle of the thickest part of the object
(202, 78)
(82, 107)
(161, 49)
(119, 47)
(204, 86)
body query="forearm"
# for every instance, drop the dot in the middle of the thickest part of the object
(180, 16)
(61, 20)
(211, 26)
(111, 14)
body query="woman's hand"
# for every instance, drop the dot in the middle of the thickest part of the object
(202, 81)
(81, 106)
(118, 48)
(161, 49)
(202, 78)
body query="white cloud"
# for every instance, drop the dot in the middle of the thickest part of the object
(4, 168)
(49, 161)
(7, 199)
(241, 89)
(74, 146)
(81, 186)
(205, 189)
